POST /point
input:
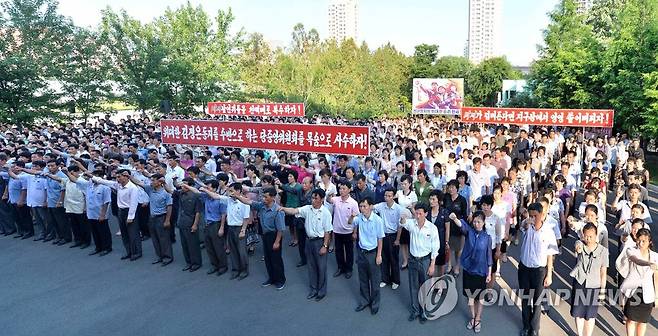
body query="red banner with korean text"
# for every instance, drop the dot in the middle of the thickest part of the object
(257, 109)
(351, 140)
(528, 116)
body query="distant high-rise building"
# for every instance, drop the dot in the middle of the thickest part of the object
(343, 19)
(583, 6)
(484, 29)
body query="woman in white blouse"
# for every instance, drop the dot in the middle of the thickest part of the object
(407, 199)
(641, 285)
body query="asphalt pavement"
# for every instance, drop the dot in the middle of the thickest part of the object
(55, 290)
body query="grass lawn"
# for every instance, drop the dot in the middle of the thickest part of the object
(652, 165)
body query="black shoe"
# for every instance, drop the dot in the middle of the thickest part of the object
(94, 252)
(412, 317)
(56, 242)
(104, 253)
(300, 264)
(135, 257)
(62, 242)
(422, 319)
(524, 332)
(194, 268)
(338, 273)
(234, 276)
(10, 233)
(187, 268)
(84, 246)
(125, 257)
(311, 295)
(374, 311)
(222, 271)
(266, 283)
(167, 262)
(360, 307)
(319, 298)
(75, 245)
(156, 261)
(214, 270)
(18, 236)
(45, 240)
(243, 275)
(348, 275)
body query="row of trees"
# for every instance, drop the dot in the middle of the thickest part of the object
(604, 59)
(188, 57)
(49, 65)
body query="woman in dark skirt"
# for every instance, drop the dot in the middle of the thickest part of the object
(438, 215)
(640, 286)
(476, 262)
(589, 278)
(456, 203)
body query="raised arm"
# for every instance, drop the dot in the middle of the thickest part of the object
(244, 199)
(289, 211)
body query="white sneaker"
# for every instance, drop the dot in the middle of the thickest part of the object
(395, 286)
(118, 233)
(382, 284)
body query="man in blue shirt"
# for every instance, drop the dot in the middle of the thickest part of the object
(55, 199)
(17, 193)
(390, 212)
(273, 223)
(160, 202)
(369, 230)
(36, 199)
(97, 198)
(7, 226)
(214, 240)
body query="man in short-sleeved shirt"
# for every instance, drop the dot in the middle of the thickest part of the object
(369, 233)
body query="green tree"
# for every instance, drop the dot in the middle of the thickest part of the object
(33, 38)
(256, 59)
(568, 71)
(138, 57)
(486, 80)
(452, 67)
(603, 17)
(630, 66)
(198, 66)
(86, 72)
(422, 65)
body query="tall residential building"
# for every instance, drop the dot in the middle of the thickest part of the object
(343, 19)
(485, 19)
(583, 6)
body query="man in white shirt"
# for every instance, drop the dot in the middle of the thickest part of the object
(489, 169)
(535, 267)
(318, 226)
(127, 201)
(74, 205)
(480, 181)
(424, 247)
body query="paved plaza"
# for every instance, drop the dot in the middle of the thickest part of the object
(51, 290)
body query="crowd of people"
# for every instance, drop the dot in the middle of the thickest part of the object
(434, 197)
